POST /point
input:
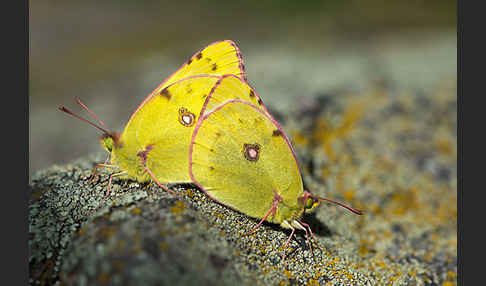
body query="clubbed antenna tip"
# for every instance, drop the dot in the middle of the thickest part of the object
(358, 212)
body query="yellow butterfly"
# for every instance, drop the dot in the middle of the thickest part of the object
(155, 142)
(240, 156)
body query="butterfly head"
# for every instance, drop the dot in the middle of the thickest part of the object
(310, 202)
(109, 141)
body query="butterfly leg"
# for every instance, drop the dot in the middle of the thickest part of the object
(312, 234)
(157, 181)
(276, 200)
(287, 243)
(108, 190)
(100, 165)
(271, 210)
(299, 225)
(109, 183)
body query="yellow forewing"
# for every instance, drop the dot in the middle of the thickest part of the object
(222, 163)
(224, 55)
(219, 58)
(231, 87)
(164, 127)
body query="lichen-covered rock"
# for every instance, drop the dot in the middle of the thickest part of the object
(389, 153)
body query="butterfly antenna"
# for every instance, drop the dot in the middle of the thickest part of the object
(358, 212)
(64, 109)
(90, 112)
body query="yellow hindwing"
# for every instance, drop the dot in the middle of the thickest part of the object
(239, 157)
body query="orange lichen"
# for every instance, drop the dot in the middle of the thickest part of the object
(103, 278)
(300, 139)
(136, 211)
(189, 193)
(349, 195)
(82, 231)
(444, 146)
(404, 201)
(325, 133)
(451, 275)
(287, 273)
(107, 231)
(178, 207)
(163, 246)
(365, 247)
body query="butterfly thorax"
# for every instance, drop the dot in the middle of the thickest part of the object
(125, 157)
(286, 212)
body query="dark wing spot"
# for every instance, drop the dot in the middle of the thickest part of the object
(215, 67)
(241, 121)
(252, 94)
(259, 101)
(204, 95)
(165, 93)
(211, 168)
(251, 152)
(211, 150)
(218, 134)
(186, 117)
(208, 60)
(199, 56)
(189, 61)
(277, 132)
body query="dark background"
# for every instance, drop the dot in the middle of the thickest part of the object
(114, 53)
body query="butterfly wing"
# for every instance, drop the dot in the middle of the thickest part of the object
(231, 87)
(224, 54)
(162, 130)
(219, 58)
(238, 156)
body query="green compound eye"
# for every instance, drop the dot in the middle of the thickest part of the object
(107, 143)
(309, 203)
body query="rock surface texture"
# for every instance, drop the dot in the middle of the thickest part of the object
(384, 148)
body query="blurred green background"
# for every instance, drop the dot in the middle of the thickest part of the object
(112, 54)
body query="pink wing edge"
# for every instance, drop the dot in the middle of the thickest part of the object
(240, 64)
(198, 125)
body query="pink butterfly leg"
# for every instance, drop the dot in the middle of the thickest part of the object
(309, 242)
(272, 209)
(107, 191)
(99, 165)
(157, 182)
(286, 243)
(276, 200)
(312, 234)
(109, 184)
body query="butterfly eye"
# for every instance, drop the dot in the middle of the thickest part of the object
(309, 203)
(251, 152)
(107, 143)
(186, 118)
